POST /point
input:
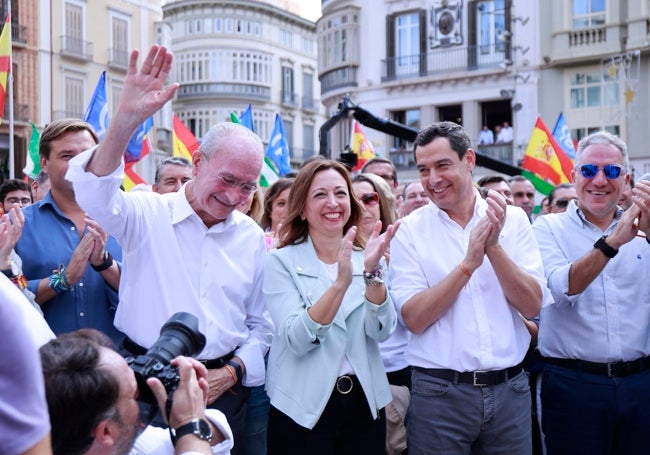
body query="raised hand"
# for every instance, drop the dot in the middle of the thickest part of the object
(378, 244)
(345, 257)
(11, 227)
(100, 238)
(496, 213)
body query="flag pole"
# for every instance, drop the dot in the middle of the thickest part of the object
(10, 93)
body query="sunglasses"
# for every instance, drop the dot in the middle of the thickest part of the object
(611, 171)
(562, 203)
(370, 198)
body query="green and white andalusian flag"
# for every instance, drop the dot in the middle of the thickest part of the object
(269, 175)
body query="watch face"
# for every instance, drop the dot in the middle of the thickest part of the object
(205, 430)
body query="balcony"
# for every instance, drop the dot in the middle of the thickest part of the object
(338, 78)
(76, 48)
(310, 104)
(228, 89)
(586, 43)
(501, 152)
(402, 159)
(60, 115)
(18, 34)
(118, 59)
(288, 98)
(445, 61)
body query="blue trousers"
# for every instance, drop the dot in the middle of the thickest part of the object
(448, 418)
(591, 414)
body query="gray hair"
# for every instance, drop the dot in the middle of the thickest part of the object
(602, 137)
(173, 160)
(219, 133)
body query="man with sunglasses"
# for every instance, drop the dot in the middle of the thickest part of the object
(189, 250)
(594, 328)
(560, 196)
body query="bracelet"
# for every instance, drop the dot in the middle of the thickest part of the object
(58, 281)
(237, 369)
(464, 270)
(232, 373)
(374, 278)
(108, 262)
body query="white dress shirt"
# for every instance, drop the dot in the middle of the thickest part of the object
(172, 262)
(156, 441)
(480, 331)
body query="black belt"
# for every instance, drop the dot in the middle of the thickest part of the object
(613, 369)
(475, 378)
(211, 364)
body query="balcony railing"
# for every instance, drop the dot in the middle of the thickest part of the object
(502, 152)
(201, 89)
(402, 158)
(338, 78)
(118, 58)
(76, 48)
(18, 34)
(309, 103)
(289, 98)
(441, 61)
(587, 36)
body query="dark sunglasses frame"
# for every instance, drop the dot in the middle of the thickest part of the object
(563, 203)
(611, 171)
(370, 198)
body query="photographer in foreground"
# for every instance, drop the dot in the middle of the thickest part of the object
(91, 394)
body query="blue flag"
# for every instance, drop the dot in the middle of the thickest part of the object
(246, 118)
(562, 135)
(134, 147)
(278, 149)
(97, 115)
(97, 111)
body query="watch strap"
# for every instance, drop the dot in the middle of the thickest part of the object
(607, 250)
(237, 368)
(108, 262)
(198, 427)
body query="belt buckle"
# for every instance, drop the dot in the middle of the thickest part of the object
(474, 379)
(610, 374)
(338, 385)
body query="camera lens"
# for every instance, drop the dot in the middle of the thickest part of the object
(179, 336)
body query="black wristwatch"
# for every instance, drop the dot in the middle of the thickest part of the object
(108, 262)
(12, 272)
(198, 427)
(605, 248)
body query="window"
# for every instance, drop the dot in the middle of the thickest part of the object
(339, 40)
(308, 91)
(410, 118)
(286, 38)
(406, 35)
(588, 13)
(288, 133)
(579, 133)
(593, 89)
(287, 85)
(308, 140)
(119, 52)
(116, 91)
(73, 29)
(490, 23)
(74, 96)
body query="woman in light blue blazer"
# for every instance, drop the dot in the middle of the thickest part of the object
(331, 308)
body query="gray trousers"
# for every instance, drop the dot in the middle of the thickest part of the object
(448, 418)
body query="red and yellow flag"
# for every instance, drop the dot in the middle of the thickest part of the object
(132, 178)
(184, 142)
(5, 62)
(546, 160)
(360, 145)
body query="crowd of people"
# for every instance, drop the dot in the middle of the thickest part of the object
(340, 314)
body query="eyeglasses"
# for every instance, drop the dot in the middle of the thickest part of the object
(245, 188)
(611, 171)
(563, 203)
(370, 198)
(18, 200)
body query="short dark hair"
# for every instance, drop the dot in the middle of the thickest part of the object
(42, 177)
(173, 160)
(492, 178)
(380, 159)
(551, 195)
(58, 128)
(80, 393)
(12, 185)
(455, 133)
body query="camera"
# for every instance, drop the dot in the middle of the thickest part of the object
(179, 336)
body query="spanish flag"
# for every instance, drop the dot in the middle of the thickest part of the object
(5, 62)
(360, 145)
(545, 163)
(184, 142)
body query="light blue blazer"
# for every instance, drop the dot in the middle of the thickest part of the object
(305, 356)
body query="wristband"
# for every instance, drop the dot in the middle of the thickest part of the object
(237, 369)
(374, 278)
(58, 281)
(108, 262)
(464, 270)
